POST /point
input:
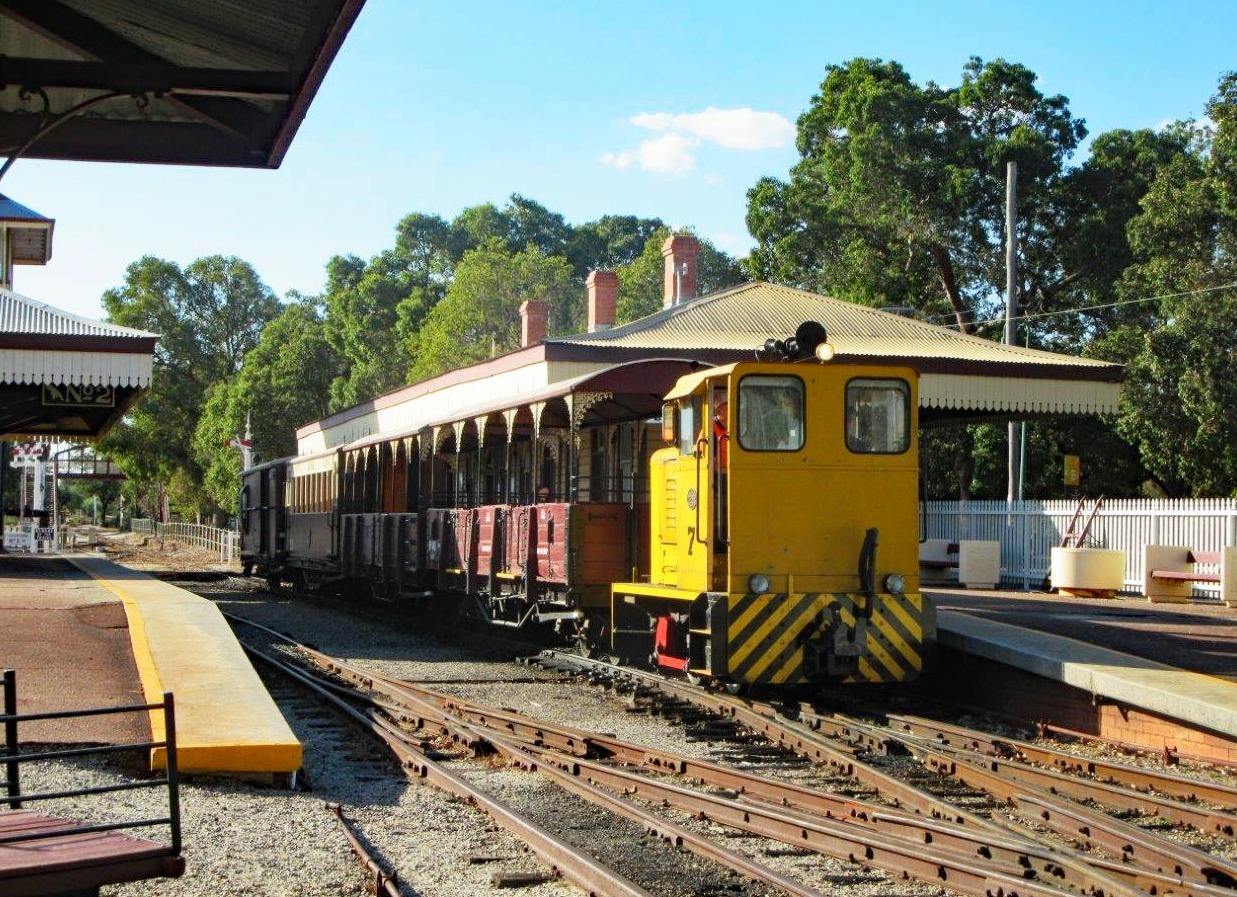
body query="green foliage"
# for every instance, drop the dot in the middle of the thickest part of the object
(1179, 405)
(374, 309)
(642, 281)
(284, 383)
(208, 316)
(479, 317)
(897, 199)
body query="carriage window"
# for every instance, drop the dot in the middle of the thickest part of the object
(878, 416)
(771, 415)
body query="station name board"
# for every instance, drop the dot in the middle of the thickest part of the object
(79, 396)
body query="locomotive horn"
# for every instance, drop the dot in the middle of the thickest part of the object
(808, 336)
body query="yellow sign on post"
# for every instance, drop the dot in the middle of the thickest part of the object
(1073, 470)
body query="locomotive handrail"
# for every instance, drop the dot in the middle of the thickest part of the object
(702, 446)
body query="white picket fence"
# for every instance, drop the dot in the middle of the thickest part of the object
(225, 541)
(1028, 530)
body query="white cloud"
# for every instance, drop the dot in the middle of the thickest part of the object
(742, 129)
(674, 152)
(671, 154)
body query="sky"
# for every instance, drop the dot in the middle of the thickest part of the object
(648, 108)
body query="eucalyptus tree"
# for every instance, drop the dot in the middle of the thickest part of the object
(208, 316)
(1180, 398)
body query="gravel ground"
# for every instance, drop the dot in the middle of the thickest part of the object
(242, 839)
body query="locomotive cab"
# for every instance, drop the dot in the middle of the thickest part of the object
(784, 538)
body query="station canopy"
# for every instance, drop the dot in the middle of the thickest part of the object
(183, 82)
(65, 376)
(201, 82)
(961, 377)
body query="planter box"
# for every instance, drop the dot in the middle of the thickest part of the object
(1088, 572)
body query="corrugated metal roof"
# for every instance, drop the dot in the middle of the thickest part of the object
(225, 82)
(12, 210)
(21, 314)
(28, 233)
(743, 317)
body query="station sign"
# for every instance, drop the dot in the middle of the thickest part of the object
(78, 395)
(1073, 470)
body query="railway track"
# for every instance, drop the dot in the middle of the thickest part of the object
(973, 833)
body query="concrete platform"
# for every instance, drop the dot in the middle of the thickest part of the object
(158, 638)
(226, 720)
(67, 638)
(1176, 662)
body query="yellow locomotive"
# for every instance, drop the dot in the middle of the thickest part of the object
(784, 543)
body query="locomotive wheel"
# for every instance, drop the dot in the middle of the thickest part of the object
(695, 678)
(737, 688)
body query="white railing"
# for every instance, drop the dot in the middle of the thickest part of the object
(225, 541)
(1028, 530)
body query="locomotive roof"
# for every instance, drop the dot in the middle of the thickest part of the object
(689, 383)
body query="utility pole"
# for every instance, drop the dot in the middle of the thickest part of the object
(1011, 327)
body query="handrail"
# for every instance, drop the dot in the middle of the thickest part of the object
(14, 758)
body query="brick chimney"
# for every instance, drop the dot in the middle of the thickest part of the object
(534, 316)
(602, 299)
(681, 252)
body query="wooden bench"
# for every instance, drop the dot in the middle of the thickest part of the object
(938, 554)
(1171, 571)
(42, 854)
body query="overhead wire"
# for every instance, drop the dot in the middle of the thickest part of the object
(1088, 308)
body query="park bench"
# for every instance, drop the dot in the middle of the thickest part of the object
(1170, 572)
(978, 562)
(48, 854)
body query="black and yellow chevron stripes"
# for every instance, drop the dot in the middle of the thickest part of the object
(766, 634)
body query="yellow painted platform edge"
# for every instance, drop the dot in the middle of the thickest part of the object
(143, 659)
(221, 758)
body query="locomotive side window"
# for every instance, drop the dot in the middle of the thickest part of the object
(771, 414)
(878, 416)
(689, 414)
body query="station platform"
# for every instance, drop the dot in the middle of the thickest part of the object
(1152, 675)
(82, 631)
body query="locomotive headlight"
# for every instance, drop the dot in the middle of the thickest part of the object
(895, 583)
(824, 352)
(758, 584)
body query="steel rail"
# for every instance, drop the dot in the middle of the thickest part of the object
(1043, 804)
(990, 842)
(816, 747)
(1080, 872)
(799, 739)
(1014, 856)
(383, 882)
(515, 752)
(973, 874)
(576, 866)
(1134, 846)
(1137, 777)
(966, 862)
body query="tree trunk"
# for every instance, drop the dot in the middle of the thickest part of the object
(966, 463)
(945, 270)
